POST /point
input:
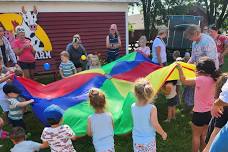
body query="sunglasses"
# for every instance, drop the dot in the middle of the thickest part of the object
(20, 30)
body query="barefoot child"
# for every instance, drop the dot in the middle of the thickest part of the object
(169, 90)
(100, 124)
(58, 136)
(205, 81)
(145, 121)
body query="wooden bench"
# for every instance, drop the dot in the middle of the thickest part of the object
(54, 68)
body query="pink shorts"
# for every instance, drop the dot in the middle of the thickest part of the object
(150, 147)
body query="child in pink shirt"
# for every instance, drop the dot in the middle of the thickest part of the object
(205, 81)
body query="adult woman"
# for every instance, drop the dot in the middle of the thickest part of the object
(76, 51)
(25, 51)
(113, 43)
(203, 45)
(5, 48)
(159, 47)
(80, 42)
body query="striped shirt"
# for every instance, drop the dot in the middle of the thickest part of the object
(67, 68)
(15, 112)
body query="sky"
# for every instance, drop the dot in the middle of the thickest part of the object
(134, 10)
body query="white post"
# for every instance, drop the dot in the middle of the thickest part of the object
(127, 34)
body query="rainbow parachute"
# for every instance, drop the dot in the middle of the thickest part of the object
(115, 79)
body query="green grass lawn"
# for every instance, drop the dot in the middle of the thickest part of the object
(179, 131)
(179, 134)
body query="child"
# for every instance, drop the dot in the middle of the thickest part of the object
(169, 90)
(102, 136)
(145, 121)
(145, 50)
(206, 76)
(176, 54)
(18, 137)
(93, 61)
(15, 114)
(186, 57)
(3, 98)
(3, 134)
(58, 136)
(66, 68)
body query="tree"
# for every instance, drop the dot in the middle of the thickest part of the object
(217, 11)
(152, 10)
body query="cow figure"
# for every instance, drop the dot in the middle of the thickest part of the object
(30, 25)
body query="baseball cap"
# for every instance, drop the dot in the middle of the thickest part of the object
(53, 112)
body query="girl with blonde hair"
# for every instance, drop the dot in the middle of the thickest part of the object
(143, 49)
(145, 120)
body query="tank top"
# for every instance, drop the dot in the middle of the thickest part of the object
(113, 40)
(143, 131)
(102, 129)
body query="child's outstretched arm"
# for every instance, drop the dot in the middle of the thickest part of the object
(156, 125)
(44, 145)
(24, 103)
(189, 82)
(3, 79)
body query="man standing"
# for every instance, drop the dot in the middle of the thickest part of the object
(202, 45)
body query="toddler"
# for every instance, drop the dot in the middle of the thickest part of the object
(93, 61)
(66, 68)
(100, 124)
(18, 137)
(15, 114)
(145, 50)
(169, 90)
(57, 136)
(145, 120)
